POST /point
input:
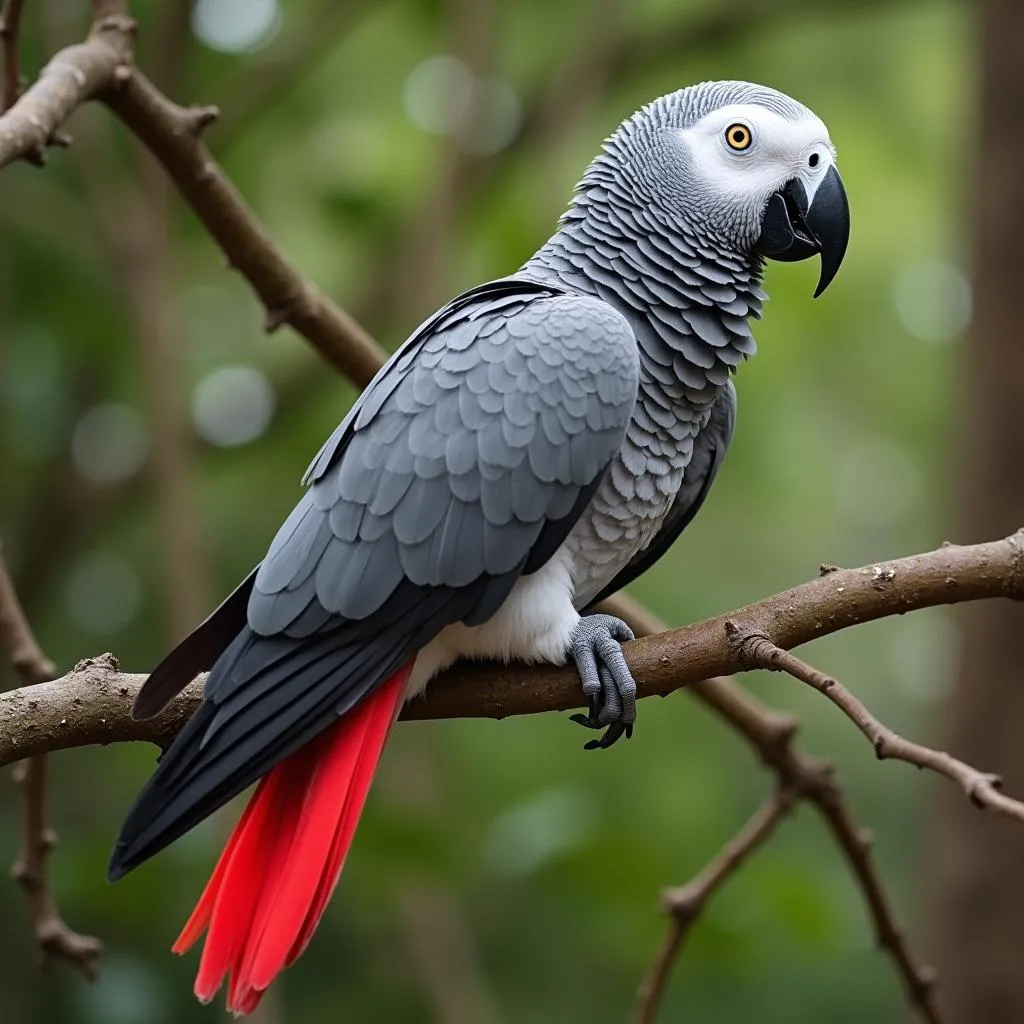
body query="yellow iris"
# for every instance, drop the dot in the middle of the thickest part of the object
(738, 136)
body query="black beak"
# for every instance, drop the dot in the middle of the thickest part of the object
(793, 231)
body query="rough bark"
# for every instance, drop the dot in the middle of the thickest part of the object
(91, 703)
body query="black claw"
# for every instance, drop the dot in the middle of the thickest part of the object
(615, 730)
(612, 734)
(595, 704)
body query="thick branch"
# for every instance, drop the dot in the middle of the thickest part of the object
(91, 704)
(949, 575)
(683, 904)
(54, 938)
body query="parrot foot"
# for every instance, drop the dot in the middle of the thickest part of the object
(596, 648)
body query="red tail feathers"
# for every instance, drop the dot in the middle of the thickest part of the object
(282, 862)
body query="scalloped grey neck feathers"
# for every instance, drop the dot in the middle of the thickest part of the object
(688, 293)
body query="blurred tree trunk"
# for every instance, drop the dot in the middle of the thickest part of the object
(978, 910)
(147, 261)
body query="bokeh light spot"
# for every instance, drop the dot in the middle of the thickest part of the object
(878, 482)
(232, 406)
(540, 829)
(236, 26)
(125, 993)
(438, 94)
(110, 443)
(924, 654)
(495, 121)
(103, 593)
(444, 97)
(932, 301)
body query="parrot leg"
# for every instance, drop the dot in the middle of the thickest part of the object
(596, 648)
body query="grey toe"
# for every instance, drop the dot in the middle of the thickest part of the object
(596, 648)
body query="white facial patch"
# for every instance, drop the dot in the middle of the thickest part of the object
(779, 150)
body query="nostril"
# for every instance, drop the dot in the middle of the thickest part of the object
(813, 159)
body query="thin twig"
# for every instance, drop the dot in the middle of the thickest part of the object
(56, 941)
(26, 656)
(10, 89)
(981, 788)
(918, 977)
(772, 734)
(10, 28)
(684, 904)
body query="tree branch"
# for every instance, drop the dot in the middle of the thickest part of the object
(92, 703)
(54, 938)
(73, 76)
(684, 904)
(981, 788)
(10, 27)
(171, 133)
(855, 843)
(26, 656)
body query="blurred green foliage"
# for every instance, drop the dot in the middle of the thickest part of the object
(847, 433)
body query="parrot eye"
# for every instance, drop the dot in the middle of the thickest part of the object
(738, 137)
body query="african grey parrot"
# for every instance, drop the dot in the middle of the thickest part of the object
(535, 445)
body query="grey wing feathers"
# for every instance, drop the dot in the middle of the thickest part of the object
(485, 438)
(709, 450)
(494, 294)
(462, 466)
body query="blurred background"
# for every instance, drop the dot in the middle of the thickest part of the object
(402, 150)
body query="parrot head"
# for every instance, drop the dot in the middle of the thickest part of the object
(743, 165)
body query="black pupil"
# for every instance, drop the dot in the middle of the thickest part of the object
(813, 159)
(739, 136)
